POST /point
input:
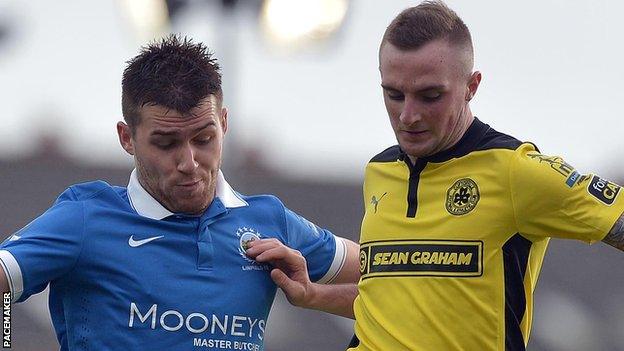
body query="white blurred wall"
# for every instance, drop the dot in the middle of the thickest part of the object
(552, 73)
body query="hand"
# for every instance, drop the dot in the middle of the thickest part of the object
(290, 271)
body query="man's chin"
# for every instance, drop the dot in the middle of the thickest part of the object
(189, 202)
(416, 150)
(190, 206)
(191, 210)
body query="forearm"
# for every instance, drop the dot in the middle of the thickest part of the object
(4, 281)
(291, 275)
(335, 299)
(615, 237)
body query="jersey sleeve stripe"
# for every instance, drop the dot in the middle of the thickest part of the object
(339, 259)
(13, 274)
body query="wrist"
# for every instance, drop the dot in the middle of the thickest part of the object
(313, 297)
(336, 299)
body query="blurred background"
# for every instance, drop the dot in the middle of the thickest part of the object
(306, 114)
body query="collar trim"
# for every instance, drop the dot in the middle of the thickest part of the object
(145, 205)
(466, 144)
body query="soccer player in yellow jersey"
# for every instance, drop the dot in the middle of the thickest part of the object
(458, 216)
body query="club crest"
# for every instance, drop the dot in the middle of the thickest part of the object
(245, 236)
(462, 197)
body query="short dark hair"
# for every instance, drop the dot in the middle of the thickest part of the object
(173, 72)
(426, 22)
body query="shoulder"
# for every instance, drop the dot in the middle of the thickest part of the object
(267, 212)
(70, 208)
(270, 208)
(94, 193)
(90, 189)
(263, 203)
(501, 147)
(529, 157)
(493, 139)
(391, 154)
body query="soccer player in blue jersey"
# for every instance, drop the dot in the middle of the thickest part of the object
(161, 264)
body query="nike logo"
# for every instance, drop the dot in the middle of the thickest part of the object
(137, 243)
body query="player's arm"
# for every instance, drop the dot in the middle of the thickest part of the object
(291, 275)
(572, 205)
(615, 237)
(4, 282)
(350, 271)
(44, 250)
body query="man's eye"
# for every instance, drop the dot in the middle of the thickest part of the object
(431, 97)
(396, 96)
(164, 145)
(203, 141)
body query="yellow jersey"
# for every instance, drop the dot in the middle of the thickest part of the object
(452, 245)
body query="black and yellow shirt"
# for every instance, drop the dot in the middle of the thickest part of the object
(451, 246)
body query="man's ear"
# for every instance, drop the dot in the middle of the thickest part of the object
(224, 115)
(473, 85)
(125, 137)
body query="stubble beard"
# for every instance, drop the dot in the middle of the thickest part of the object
(196, 205)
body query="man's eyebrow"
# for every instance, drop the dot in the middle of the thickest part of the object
(432, 87)
(423, 89)
(387, 87)
(164, 132)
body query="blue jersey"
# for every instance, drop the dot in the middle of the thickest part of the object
(127, 274)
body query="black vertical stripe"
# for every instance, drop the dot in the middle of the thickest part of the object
(412, 191)
(355, 342)
(412, 200)
(516, 257)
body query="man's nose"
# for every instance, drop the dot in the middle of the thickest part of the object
(186, 159)
(411, 112)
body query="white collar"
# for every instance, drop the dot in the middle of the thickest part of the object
(145, 205)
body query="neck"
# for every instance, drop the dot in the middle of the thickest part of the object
(460, 128)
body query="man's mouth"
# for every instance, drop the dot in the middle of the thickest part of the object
(189, 184)
(414, 132)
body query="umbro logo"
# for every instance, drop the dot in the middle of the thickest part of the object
(137, 243)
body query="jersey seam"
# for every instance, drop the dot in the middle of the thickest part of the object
(493, 148)
(284, 223)
(483, 146)
(503, 332)
(511, 195)
(471, 153)
(598, 229)
(88, 197)
(75, 264)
